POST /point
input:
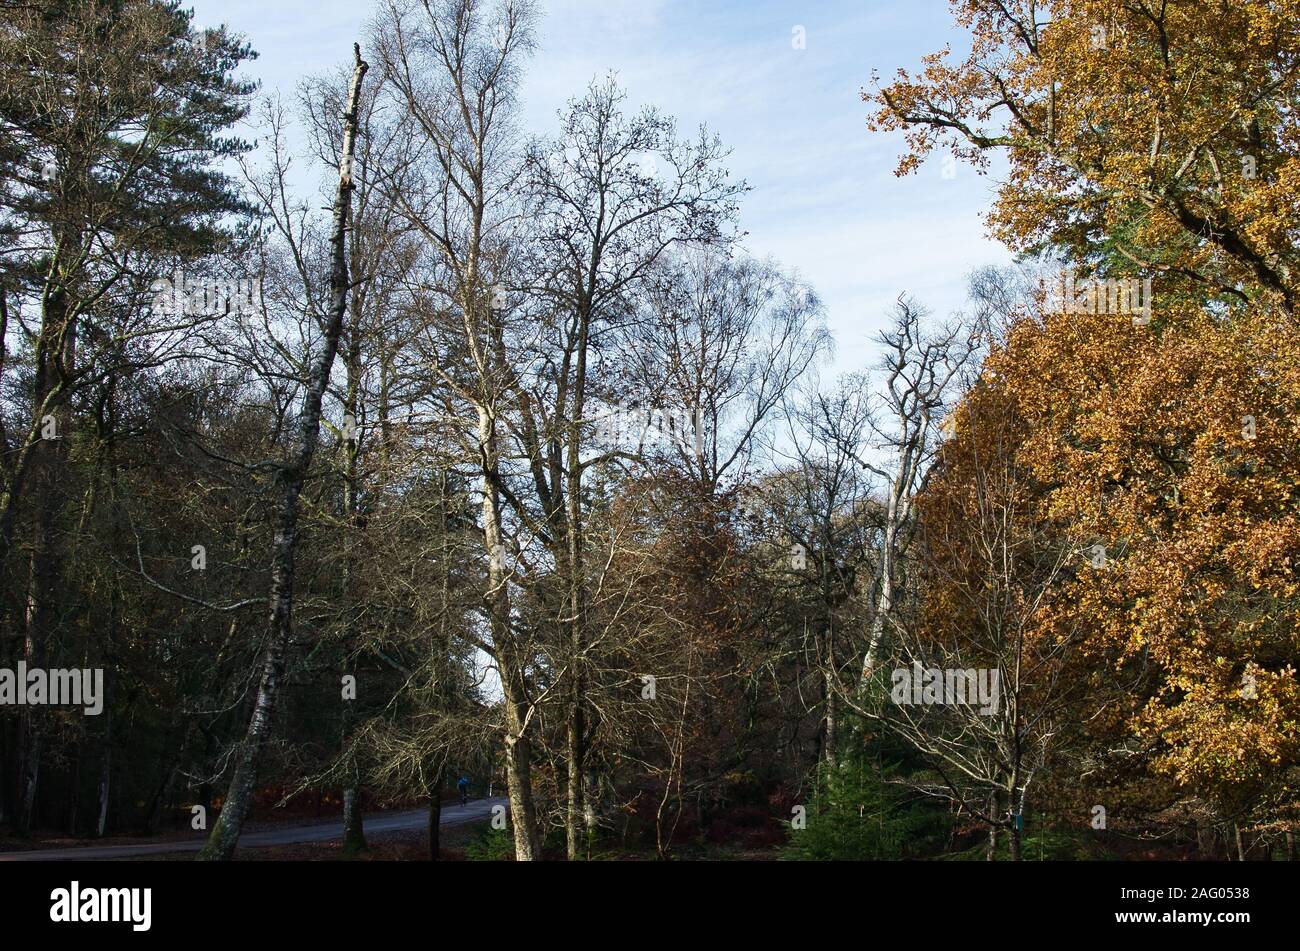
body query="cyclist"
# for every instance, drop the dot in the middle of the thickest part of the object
(462, 786)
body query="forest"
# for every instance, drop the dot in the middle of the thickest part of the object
(364, 447)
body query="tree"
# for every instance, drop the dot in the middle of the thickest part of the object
(118, 112)
(610, 197)
(451, 67)
(921, 368)
(381, 256)
(1161, 132)
(825, 508)
(985, 572)
(727, 338)
(290, 474)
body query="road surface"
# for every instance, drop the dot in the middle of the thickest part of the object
(453, 815)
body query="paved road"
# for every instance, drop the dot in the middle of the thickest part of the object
(318, 832)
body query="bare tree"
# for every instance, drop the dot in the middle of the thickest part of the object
(920, 369)
(451, 66)
(381, 254)
(829, 524)
(725, 339)
(609, 197)
(290, 475)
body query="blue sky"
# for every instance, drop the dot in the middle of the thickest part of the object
(825, 201)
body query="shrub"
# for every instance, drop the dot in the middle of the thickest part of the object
(491, 845)
(856, 813)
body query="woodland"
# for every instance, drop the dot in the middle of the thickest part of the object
(366, 439)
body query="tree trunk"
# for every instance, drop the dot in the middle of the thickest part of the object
(992, 852)
(43, 463)
(591, 803)
(1015, 814)
(74, 790)
(225, 832)
(354, 838)
(898, 512)
(829, 738)
(162, 798)
(45, 569)
(575, 746)
(575, 726)
(435, 821)
(884, 604)
(573, 823)
(29, 744)
(519, 776)
(514, 687)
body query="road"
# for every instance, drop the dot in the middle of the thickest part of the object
(317, 832)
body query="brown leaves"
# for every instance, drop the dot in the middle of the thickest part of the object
(1137, 438)
(1171, 123)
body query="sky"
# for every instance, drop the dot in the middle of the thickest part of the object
(824, 201)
